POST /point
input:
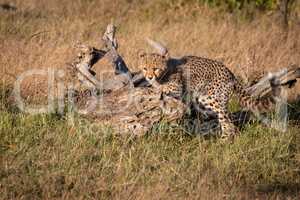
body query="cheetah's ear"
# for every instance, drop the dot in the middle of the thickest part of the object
(141, 53)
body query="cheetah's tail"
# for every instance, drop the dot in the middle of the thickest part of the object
(257, 104)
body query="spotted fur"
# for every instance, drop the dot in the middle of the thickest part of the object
(208, 83)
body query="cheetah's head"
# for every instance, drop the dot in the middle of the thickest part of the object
(153, 65)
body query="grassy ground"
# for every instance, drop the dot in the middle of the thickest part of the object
(51, 156)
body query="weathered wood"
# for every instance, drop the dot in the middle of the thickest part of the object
(83, 64)
(285, 77)
(129, 108)
(122, 104)
(112, 46)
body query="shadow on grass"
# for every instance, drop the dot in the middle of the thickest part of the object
(196, 123)
(286, 189)
(294, 111)
(6, 100)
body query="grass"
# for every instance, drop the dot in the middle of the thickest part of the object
(51, 156)
(41, 150)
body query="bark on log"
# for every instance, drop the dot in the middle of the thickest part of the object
(130, 108)
(121, 103)
(286, 77)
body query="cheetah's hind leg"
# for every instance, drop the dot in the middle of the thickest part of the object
(228, 129)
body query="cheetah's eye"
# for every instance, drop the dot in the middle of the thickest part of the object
(145, 69)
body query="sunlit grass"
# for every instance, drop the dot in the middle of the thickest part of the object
(50, 156)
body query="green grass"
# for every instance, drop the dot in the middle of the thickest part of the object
(61, 157)
(51, 156)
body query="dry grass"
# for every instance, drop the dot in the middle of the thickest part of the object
(47, 156)
(50, 156)
(40, 34)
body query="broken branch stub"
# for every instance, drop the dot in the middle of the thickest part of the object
(112, 46)
(285, 77)
(162, 50)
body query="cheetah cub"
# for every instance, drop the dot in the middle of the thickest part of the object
(208, 84)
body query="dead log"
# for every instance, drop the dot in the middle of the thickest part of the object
(285, 78)
(121, 103)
